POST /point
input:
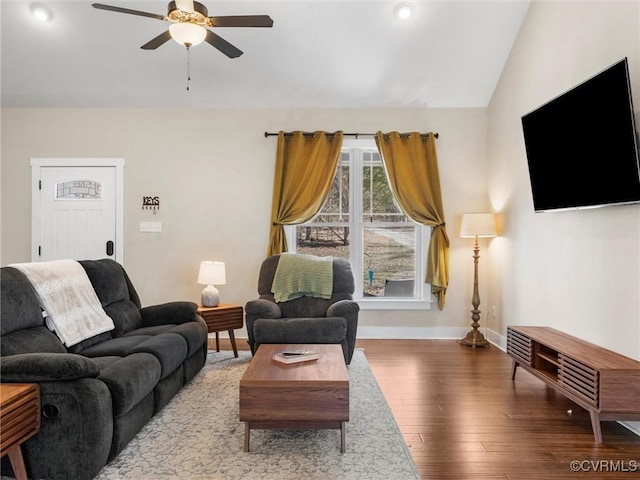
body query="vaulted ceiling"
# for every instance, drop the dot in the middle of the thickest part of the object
(321, 53)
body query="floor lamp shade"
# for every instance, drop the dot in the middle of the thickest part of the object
(476, 225)
(210, 274)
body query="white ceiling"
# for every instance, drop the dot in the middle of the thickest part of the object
(321, 53)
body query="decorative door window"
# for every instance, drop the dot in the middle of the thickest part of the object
(78, 190)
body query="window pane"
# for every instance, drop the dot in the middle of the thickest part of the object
(389, 259)
(378, 204)
(79, 189)
(337, 202)
(323, 241)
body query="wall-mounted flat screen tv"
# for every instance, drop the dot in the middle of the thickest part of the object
(582, 146)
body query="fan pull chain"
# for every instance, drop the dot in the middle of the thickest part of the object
(188, 65)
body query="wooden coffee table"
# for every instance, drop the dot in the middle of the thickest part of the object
(306, 395)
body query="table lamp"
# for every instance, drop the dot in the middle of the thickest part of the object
(211, 273)
(476, 225)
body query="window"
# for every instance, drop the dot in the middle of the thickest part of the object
(361, 221)
(79, 189)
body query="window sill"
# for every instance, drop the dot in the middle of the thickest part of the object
(393, 304)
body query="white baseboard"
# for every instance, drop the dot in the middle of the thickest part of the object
(496, 339)
(632, 426)
(411, 333)
(395, 333)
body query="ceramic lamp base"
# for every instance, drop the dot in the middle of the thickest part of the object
(210, 296)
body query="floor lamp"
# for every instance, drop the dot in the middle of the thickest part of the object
(475, 225)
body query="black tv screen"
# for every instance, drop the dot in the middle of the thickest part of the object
(582, 146)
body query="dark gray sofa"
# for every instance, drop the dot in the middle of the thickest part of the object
(98, 394)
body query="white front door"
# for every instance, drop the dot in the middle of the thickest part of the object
(76, 206)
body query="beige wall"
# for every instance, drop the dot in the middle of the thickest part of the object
(578, 271)
(213, 172)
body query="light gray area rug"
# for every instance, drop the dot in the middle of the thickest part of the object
(198, 436)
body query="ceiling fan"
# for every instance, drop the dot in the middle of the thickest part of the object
(191, 23)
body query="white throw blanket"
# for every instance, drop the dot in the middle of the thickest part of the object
(72, 308)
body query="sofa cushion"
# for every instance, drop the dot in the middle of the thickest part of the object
(125, 315)
(118, 347)
(171, 312)
(108, 280)
(31, 340)
(169, 348)
(20, 306)
(150, 331)
(45, 367)
(130, 379)
(116, 293)
(194, 333)
(300, 330)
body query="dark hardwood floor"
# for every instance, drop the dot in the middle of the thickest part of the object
(463, 417)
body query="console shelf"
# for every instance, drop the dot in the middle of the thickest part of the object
(601, 381)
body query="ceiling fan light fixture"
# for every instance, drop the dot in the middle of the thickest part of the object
(404, 11)
(41, 12)
(188, 33)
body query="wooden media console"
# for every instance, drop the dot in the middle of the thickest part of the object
(601, 381)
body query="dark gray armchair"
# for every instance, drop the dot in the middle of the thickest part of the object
(305, 319)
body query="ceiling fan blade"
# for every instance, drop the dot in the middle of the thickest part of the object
(110, 8)
(242, 21)
(156, 42)
(185, 5)
(222, 45)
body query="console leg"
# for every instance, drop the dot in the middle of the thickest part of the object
(513, 370)
(595, 425)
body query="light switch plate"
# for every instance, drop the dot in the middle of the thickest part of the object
(150, 227)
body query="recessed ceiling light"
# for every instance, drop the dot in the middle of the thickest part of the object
(41, 12)
(403, 11)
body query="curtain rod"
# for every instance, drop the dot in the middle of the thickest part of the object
(288, 134)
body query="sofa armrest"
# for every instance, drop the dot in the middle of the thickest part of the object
(343, 308)
(348, 309)
(255, 309)
(172, 312)
(262, 308)
(46, 367)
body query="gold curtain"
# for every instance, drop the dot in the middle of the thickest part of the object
(411, 164)
(305, 167)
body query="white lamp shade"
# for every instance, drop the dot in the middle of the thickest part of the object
(478, 225)
(212, 273)
(188, 33)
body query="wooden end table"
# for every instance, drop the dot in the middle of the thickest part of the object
(306, 395)
(224, 317)
(20, 419)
